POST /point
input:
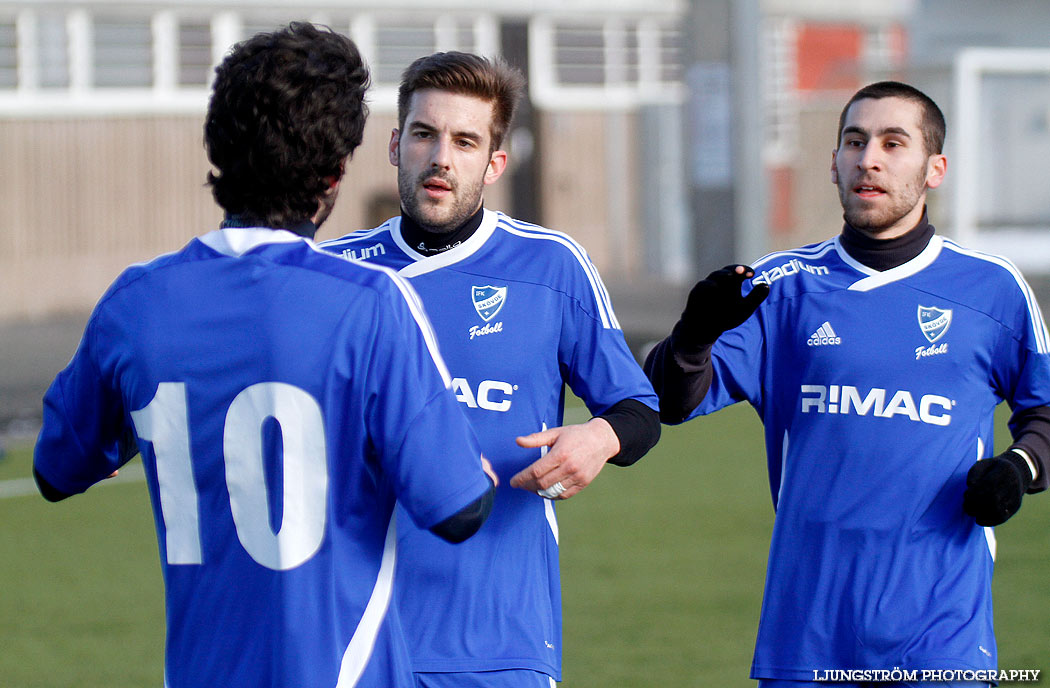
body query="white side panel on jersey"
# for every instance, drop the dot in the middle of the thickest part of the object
(989, 536)
(548, 504)
(989, 533)
(783, 466)
(552, 519)
(359, 651)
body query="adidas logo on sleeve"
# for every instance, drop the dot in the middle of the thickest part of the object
(824, 336)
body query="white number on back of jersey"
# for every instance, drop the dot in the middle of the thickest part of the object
(164, 422)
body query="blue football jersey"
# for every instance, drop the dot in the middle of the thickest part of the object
(877, 392)
(283, 401)
(519, 312)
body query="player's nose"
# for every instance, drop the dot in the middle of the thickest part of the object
(440, 153)
(870, 158)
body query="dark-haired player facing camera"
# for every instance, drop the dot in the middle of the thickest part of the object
(875, 360)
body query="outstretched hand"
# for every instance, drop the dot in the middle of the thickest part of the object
(715, 304)
(577, 454)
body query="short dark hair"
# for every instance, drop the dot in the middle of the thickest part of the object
(931, 122)
(286, 111)
(466, 74)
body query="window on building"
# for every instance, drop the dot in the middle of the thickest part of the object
(195, 50)
(160, 58)
(670, 58)
(52, 50)
(397, 45)
(122, 50)
(602, 63)
(579, 55)
(8, 53)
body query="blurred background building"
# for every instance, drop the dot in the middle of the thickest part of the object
(669, 137)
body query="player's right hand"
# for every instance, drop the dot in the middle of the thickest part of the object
(716, 304)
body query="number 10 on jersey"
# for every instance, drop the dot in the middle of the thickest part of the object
(165, 423)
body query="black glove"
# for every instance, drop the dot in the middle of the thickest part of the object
(715, 305)
(994, 488)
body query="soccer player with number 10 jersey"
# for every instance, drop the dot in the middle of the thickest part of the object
(282, 399)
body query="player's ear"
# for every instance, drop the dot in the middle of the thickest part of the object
(497, 163)
(834, 169)
(333, 180)
(395, 139)
(936, 167)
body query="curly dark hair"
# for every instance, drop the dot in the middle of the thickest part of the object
(286, 112)
(465, 74)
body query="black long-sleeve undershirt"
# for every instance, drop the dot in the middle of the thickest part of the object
(636, 426)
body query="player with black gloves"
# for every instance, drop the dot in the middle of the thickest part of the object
(875, 360)
(716, 304)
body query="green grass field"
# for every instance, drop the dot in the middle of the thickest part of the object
(662, 571)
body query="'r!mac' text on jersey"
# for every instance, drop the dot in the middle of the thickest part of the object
(877, 392)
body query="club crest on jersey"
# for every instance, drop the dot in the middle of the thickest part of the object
(488, 300)
(934, 322)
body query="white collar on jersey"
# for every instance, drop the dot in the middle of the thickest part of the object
(236, 241)
(423, 264)
(876, 279)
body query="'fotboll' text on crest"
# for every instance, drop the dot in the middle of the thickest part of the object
(489, 328)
